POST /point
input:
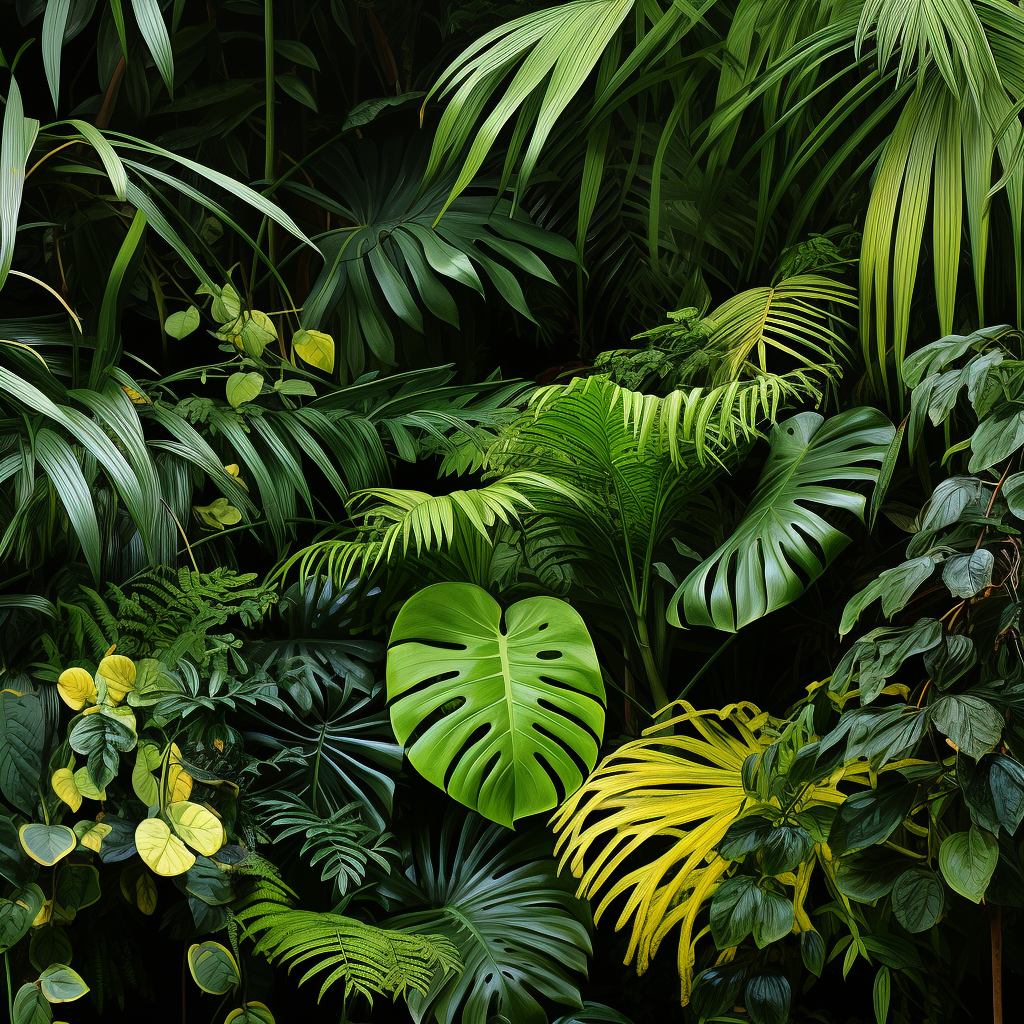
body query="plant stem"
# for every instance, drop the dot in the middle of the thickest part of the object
(996, 926)
(10, 990)
(658, 691)
(269, 145)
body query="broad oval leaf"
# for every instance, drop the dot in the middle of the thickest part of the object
(529, 695)
(767, 998)
(181, 324)
(200, 828)
(47, 844)
(76, 688)
(252, 1013)
(63, 783)
(50, 945)
(967, 861)
(213, 967)
(243, 387)
(782, 544)
(60, 984)
(164, 853)
(917, 899)
(315, 348)
(18, 913)
(30, 1006)
(119, 674)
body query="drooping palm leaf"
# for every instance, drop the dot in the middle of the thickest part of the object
(783, 542)
(519, 931)
(392, 262)
(681, 787)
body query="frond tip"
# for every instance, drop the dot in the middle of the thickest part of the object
(371, 961)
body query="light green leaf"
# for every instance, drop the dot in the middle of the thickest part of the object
(243, 387)
(967, 861)
(60, 984)
(47, 844)
(528, 688)
(181, 324)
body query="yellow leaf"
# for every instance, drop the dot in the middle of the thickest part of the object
(136, 397)
(63, 783)
(250, 333)
(197, 826)
(86, 786)
(315, 348)
(119, 673)
(218, 514)
(44, 915)
(179, 782)
(91, 834)
(163, 853)
(76, 688)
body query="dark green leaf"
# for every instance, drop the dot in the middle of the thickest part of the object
(917, 899)
(880, 995)
(734, 910)
(946, 663)
(786, 847)
(715, 991)
(774, 919)
(744, 835)
(22, 743)
(870, 817)
(49, 945)
(1006, 779)
(967, 575)
(997, 437)
(812, 952)
(970, 721)
(767, 999)
(869, 874)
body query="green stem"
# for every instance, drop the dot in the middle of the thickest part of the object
(10, 987)
(268, 70)
(658, 691)
(707, 664)
(269, 145)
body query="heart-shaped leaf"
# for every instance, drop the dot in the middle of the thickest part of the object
(163, 852)
(500, 706)
(76, 688)
(63, 783)
(47, 844)
(200, 828)
(60, 984)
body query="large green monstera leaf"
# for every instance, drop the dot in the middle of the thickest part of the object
(499, 708)
(784, 543)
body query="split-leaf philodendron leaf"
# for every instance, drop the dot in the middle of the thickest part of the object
(497, 707)
(784, 543)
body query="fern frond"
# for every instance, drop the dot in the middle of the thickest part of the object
(368, 960)
(343, 843)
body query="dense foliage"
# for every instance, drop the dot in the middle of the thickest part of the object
(482, 497)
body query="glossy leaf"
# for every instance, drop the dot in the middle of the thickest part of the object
(164, 853)
(47, 844)
(768, 561)
(530, 694)
(967, 861)
(917, 899)
(60, 984)
(199, 827)
(213, 967)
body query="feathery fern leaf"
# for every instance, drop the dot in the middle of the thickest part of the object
(368, 960)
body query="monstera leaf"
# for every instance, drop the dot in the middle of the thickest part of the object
(518, 927)
(784, 542)
(500, 706)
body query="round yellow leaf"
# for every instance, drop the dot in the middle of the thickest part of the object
(164, 853)
(63, 783)
(199, 828)
(76, 688)
(119, 673)
(90, 834)
(315, 348)
(44, 915)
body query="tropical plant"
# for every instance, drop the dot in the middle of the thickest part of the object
(519, 931)
(933, 89)
(506, 706)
